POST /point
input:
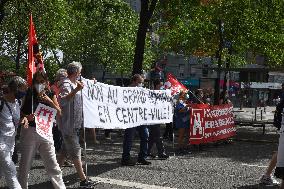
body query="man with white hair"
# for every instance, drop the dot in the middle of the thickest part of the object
(71, 120)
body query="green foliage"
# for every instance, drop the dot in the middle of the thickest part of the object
(51, 67)
(105, 36)
(252, 26)
(96, 33)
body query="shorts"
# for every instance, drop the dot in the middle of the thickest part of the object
(71, 146)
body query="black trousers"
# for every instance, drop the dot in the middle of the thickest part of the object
(168, 131)
(155, 138)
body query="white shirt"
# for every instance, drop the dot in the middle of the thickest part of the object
(7, 127)
(71, 117)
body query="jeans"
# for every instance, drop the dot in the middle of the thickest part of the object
(128, 138)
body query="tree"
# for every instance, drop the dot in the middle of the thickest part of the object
(95, 32)
(147, 10)
(104, 36)
(191, 27)
(51, 21)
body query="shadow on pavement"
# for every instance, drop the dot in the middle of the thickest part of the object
(97, 169)
(246, 152)
(43, 185)
(257, 186)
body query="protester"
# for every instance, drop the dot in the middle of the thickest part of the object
(279, 171)
(224, 98)
(71, 120)
(61, 74)
(155, 133)
(31, 141)
(182, 121)
(137, 81)
(267, 177)
(9, 120)
(199, 97)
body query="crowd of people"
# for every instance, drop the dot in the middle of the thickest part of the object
(65, 97)
(19, 101)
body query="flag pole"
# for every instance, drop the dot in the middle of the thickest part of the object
(196, 97)
(30, 59)
(84, 133)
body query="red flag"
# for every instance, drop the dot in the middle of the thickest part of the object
(35, 62)
(173, 84)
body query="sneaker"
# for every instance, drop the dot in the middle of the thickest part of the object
(87, 184)
(268, 180)
(127, 162)
(143, 162)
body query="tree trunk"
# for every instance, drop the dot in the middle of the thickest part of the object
(18, 57)
(145, 16)
(217, 84)
(104, 73)
(2, 10)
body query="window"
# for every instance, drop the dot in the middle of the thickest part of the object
(205, 71)
(181, 70)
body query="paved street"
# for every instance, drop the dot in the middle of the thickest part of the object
(236, 165)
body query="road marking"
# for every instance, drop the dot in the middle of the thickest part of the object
(127, 183)
(260, 166)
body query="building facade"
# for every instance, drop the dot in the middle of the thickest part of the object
(134, 4)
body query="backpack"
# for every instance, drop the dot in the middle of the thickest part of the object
(278, 115)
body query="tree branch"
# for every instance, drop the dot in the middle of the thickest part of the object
(55, 57)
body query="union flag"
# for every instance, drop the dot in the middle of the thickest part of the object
(174, 85)
(35, 60)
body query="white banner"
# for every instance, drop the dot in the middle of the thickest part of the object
(113, 107)
(44, 119)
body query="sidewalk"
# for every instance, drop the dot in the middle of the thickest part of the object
(248, 114)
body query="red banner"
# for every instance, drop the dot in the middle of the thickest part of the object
(211, 123)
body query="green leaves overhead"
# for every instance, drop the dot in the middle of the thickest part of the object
(252, 26)
(95, 32)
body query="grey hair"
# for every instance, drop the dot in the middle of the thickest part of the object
(60, 74)
(74, 67)
(16, 83)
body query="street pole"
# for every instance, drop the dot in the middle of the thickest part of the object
(227, 65)
(217, 84)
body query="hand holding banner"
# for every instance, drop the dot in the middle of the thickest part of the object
(173, 84)
(113, 107)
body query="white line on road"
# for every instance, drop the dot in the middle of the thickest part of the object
(260, 166)
(127, 183)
